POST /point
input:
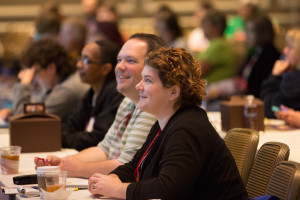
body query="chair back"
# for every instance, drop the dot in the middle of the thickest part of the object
(269, 155)
(242, 143)
(285, 181)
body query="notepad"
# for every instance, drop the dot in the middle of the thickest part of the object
(79, 185)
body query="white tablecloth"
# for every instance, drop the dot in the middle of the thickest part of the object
(289, 137)
(27, 167)
(4, 137)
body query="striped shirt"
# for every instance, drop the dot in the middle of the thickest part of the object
(121, 142)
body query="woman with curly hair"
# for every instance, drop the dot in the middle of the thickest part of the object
(183, 156)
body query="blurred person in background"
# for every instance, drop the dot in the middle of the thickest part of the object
(217, 61)
(48, 21)
(48, 63)
(107, 27)
(261, 55)
(89, 8)
(8, 78)
(50, 7)
(257, 64)
(197, 42)
(282, 86)
(236, 25)
(168, 27)
(46, 25)
(72, 36)
(235, 31)
(93, 116)
(107, 12)
(109, 31)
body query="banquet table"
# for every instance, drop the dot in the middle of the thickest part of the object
(291, 136)
(26, 166)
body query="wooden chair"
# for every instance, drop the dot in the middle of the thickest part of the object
(285, 181)
(242, 144)
(268, 156)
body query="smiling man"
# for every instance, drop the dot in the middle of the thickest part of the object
(130, 127)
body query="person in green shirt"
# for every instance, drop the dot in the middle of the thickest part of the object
(236, 25)
(217, 61)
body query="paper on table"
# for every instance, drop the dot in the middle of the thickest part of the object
(277, 124)
(29, 191)
(80, 185)
(10, 190)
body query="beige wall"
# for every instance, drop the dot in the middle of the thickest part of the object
(136, 15)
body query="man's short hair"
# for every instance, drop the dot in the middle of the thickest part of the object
(153, 41)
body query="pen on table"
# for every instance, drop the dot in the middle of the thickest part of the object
(76, 189)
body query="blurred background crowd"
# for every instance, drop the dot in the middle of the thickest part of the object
(237, 42)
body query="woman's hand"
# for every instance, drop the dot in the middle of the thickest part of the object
(289, 115)
(280, 66)
(107, 185)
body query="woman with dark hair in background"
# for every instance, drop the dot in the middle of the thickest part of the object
(261, 56)
(110, 31)
(72, 35)
(106, 26)
(168, 28)
(91, 119)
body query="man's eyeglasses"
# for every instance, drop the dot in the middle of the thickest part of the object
(86, 60)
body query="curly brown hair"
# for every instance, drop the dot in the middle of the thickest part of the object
(178, 67)
(47, 51)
